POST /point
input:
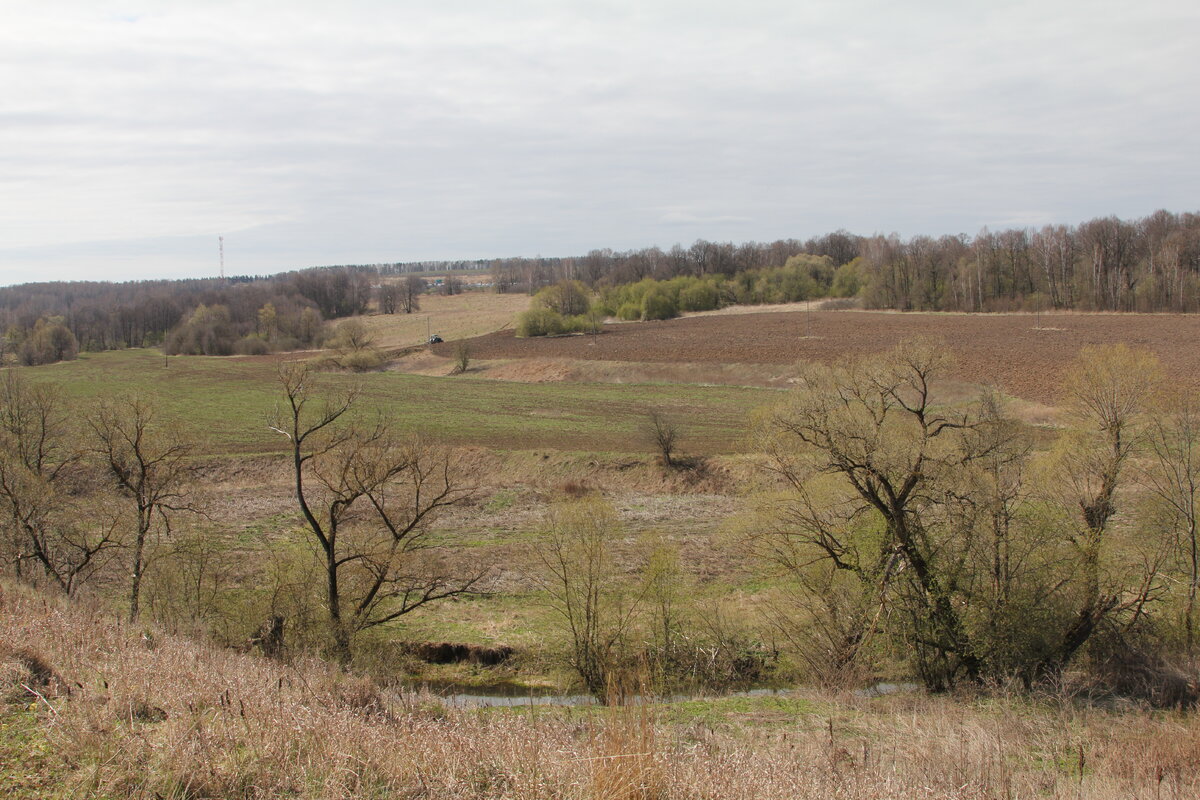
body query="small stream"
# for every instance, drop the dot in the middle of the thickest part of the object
(514, 696)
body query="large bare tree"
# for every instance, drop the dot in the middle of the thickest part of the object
(871, 458)
(150, 466)
(38, 460)
(367, 496)
(930, 509)
(1109, 393)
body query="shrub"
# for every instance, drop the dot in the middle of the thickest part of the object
(593, 320)
(700, 296)
(285, 343)
(352, 335)
(462, 357)
(207, 332)
(540, 322)
(846, 281)
(568, 298)
(629, 312)
(657, 304)
(361, 360)
(51, 341)
(578, 324)
(839, 304)
(251, 346)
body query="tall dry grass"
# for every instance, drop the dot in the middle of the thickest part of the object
(149, 715)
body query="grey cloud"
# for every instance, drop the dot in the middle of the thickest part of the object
(388, 131)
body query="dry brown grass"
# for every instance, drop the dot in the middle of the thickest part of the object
(452, 317)
(626, 763)
(165, 717)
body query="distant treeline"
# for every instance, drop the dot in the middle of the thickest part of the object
(189, 316)
(1104, 264)
(1107, 264)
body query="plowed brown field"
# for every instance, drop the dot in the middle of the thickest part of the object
(1020, 354)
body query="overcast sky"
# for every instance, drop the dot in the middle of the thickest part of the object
(133, 134)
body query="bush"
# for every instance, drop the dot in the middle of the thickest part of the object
(285, 343)
(629, 312)
(51, 341)
(846, 281)
(568, 298)
(462, 357)
(361, 360)
(657, 304)
(700, 296)
(251, 346)
(352, 335)
(540, 322)
(592, 321)
(579, 324)
(838, 304)
(207, 332)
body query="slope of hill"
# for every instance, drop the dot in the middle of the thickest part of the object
(95, 708)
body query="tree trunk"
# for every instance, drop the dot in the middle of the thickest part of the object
(341, 636)
(1190, 622)
(135, 586)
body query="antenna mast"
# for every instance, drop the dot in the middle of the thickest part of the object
(221, 247)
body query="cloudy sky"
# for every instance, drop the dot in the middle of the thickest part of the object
(133, 134)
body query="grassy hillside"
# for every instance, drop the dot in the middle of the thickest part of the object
(93, 708)
(225, 403)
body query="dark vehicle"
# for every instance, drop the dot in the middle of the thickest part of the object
(435, 339)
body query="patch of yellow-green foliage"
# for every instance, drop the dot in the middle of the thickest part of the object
(27, 760)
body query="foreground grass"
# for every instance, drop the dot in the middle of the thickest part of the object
(155, 716)
(27, 764)
(225, 402)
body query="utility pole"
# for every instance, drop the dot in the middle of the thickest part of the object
(221, 248)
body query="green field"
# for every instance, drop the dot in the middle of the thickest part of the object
(225, 403)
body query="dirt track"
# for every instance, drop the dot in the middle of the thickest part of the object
(1007, 351)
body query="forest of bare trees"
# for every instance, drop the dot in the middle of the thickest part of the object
(283, 310)
(1104, 264)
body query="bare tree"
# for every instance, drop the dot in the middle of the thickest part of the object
(872, 461)
(352, 335)
(1109, 392)
(462, 356)
(367, 498)
(663, 434)
(1173, 478)
(37, 459)
(580, 578)
(410, 297)
(150, 466)
(354, 345)
(389, 295)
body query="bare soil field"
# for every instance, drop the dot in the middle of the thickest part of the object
(1022, 354)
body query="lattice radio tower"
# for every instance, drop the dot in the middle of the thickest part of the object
(221, 248)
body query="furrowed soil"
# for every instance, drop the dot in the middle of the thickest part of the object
(1024, 355)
